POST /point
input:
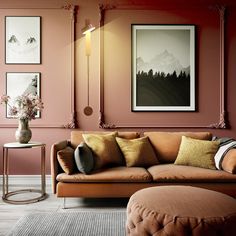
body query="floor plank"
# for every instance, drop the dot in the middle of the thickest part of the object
(10, 214)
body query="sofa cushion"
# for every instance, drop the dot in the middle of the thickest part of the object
(66, 160)
(128, 135)
(229, 161)
(198, 153)
(76, 136)
(105, 149)
(166, 144)
(114, 174)
(182, 174)
(137, 152)
(84, 158)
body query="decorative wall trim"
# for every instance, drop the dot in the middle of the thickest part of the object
(73, 9)
(73, 123)
(102, 123)
(34, 126)
(221, 124)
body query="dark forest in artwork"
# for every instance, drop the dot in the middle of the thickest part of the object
(163, 68)
(161, 89)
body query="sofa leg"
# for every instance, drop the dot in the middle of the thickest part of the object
(64, 203)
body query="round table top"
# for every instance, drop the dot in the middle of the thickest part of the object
(23, 145)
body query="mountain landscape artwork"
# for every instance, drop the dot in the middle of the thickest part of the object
(163, 68)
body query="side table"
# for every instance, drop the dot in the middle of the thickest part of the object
(6, 193)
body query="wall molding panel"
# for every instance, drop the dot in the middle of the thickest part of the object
(222, 122)
(50, 122)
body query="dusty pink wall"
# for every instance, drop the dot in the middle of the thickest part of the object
(118, 70)
(55, 67)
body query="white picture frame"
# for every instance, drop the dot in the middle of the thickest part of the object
(22, 39)
(19, 83)
(159, 54)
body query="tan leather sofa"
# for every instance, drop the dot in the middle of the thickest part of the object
(122, 181)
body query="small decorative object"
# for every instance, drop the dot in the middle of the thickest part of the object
(23, 133)
(23, 39)
(163, 68)
(24, 108)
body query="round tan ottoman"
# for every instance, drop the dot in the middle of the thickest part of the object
(181, 211)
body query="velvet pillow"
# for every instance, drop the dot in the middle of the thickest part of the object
(166, 144)
(198, 153)
(66, 160)
(137, 152)
(84, 158)
(128, 135)
(229, 161)
(105, 149)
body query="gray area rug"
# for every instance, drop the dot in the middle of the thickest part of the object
(109, 223)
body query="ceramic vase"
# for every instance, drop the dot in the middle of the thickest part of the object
(23, 133)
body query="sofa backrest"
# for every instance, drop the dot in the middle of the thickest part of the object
(77, 138)
(166, 144)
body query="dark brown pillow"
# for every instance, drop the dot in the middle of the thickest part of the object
(66, 160)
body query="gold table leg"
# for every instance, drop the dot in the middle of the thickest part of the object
(7, 194)
(3, 177)
(43, 182)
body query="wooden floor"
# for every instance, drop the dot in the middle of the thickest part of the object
(10, 214)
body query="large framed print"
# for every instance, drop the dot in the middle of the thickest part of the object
(22, 39)
(163, 67)
(22, 83)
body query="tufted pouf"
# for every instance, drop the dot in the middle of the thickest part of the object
(180, 211)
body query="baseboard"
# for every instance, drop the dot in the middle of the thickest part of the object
(26, 180)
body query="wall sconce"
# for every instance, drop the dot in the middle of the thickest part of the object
(88, 110)
(88, 27)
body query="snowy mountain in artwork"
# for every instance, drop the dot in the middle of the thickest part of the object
(163, 62)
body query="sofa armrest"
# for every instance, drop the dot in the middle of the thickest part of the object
(55, 168)
(229, 161)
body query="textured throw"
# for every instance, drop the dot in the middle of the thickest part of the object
(71, 223)
(226, 144)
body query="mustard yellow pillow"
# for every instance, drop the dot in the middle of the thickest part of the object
(137, 152)
(198, 153)
(105, 149)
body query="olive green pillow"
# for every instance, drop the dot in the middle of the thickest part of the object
(66, 160)
(198, 153)
(137, 152)
(105, 149)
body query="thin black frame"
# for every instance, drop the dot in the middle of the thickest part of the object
(38, 90)
(39, 61)
(192, 106)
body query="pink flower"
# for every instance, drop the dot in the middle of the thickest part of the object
(13, 111)
(4, 99)
(24, 107)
